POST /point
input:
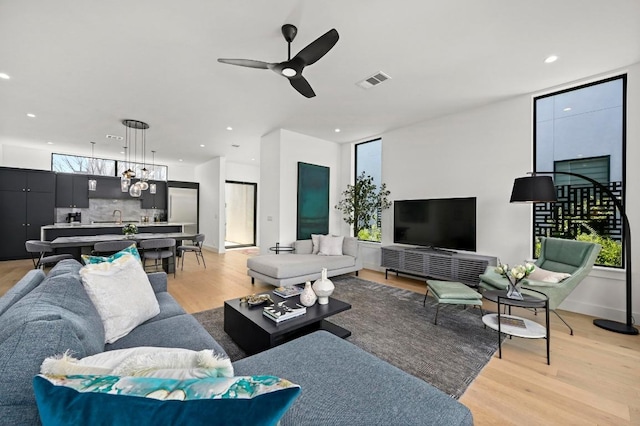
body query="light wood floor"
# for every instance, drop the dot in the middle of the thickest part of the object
(593, 379)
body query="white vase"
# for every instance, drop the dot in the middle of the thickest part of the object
(323, 288)
(308, 297)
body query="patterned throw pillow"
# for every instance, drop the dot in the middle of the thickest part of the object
(245, 400)
(132, 250)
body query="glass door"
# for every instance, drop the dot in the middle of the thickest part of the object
(240, 209)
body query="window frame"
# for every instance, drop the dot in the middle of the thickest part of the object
(623, 79)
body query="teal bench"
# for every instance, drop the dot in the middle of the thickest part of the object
(452, 293)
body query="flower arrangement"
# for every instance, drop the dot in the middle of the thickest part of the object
(129, 229)
(514, 276)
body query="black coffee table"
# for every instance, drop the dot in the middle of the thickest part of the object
(255, 333)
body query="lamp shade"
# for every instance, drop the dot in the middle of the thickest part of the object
(533, 189)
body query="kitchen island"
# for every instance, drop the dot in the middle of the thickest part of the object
(51, 232)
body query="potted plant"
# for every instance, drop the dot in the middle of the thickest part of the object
(129, 230)
(360, 204)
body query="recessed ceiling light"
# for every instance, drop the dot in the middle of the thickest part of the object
(49, 143)
(201, 146)
(253, 159)
(121, 152)
(551, 59)
(567, 109)
(4, 76)
(229, 128)
(337, 130)
(31, 115)
(179, 159)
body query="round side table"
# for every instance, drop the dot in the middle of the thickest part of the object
(513, 325)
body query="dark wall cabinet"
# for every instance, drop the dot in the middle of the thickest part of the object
(27, 202)
(157, 200)
(72, 190)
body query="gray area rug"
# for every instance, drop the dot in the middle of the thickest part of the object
(392, 324)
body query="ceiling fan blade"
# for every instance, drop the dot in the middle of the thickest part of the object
(245, 63)
(318, 48)
(302, 85)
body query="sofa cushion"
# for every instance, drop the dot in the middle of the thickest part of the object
(259, 400)
(544, 275)
(304, 247)
(21, 354)
(330, 245)
(343, 385)
(294, 265)
(122, 294)
(132, 250)
(58, 297)
(181, 331)
(21, 288)
(350, 246)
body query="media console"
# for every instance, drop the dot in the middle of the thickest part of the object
(429, 263)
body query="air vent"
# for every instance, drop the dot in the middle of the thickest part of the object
(374, 80)
(118, 138)
(235, 145)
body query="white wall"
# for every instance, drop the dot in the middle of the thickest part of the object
(242, 172)
(25, 158)
(479, 153)
(279, 156)
(182, 173)
(210, 175)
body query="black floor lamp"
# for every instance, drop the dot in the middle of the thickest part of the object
(540, 189)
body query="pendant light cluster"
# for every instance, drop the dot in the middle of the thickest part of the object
(136, 132)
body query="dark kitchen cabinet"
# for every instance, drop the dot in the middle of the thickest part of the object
(27, 202)
(72, 190)
(157, 200)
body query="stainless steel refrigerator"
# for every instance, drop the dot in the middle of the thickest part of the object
(183, 207)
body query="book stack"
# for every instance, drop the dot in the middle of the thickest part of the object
(286, 292)
(283, 311)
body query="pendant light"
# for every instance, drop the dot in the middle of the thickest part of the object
(124, 179)
(93, 184)
(152, 186)
(144, 175)
(139, 130)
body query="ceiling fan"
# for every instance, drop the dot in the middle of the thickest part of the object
(292, 67)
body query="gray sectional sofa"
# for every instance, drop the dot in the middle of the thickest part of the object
(341, 384)
(301, 265)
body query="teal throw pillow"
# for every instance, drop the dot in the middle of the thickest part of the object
(88, 260)
(142, 401)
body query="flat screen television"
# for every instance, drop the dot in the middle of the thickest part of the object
(448, 223)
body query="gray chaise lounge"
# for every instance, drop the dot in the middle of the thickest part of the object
(300, 266)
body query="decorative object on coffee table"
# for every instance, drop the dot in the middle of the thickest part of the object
(323, 288)
(514, 276)
(308, 297)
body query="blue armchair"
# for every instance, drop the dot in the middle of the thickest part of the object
(557, 255)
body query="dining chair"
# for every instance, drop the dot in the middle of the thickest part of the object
(106, 248)
(158, 249)
(196, 248)
(41, 248)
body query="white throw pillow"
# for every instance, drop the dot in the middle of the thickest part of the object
(330, 245)
(173, 363)
(122, 294)
(315, 240)
(546, 276)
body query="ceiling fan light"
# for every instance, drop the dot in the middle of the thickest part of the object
(289, 72)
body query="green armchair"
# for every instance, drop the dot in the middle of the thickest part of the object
(557, 255)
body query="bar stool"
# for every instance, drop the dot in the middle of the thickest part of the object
(42, 248)
(195, 248)
(158, 249)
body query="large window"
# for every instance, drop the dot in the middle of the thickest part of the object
(368, 160)
(582, 130)
(64, 163)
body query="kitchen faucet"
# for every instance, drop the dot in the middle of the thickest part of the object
(119, 221)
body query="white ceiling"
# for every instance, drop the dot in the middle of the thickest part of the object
(82, 66)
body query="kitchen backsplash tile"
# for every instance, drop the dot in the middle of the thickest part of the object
(102, 210)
